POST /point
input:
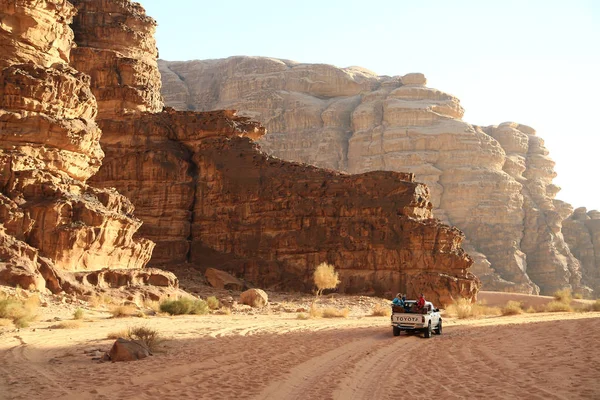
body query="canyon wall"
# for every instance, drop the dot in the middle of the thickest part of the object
(582, 232)
(208, 196)
(494, 183)
(56, 231)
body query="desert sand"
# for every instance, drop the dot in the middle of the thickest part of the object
(277, 356)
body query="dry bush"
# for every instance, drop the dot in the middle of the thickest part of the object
(225, 310)
(213, 303)
(381, 310)
(5, 322)
(596, 305)
(118, 334)
(184, 306)
(123, 311)
(463, 308)
(331, 312)
(150, 337)
(302, 316)
(531, 310)
(66, 325)
(563, 296)
(512, 308)
(152, 305)
(20, 312)
(578, 296)
(558, 306)
(78, 314)
(325, 277)
(314, 311)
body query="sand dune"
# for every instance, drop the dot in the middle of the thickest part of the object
(534, 356)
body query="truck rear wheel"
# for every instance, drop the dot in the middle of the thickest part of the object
(428, 331)
(438, 330)
(396, 330)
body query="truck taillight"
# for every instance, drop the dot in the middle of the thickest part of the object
(422, 318)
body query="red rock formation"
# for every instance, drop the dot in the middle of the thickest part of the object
(494, 183)
(116, 47)
(51, 221)
(208, 196)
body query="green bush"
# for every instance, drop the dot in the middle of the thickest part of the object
(213, 303)
(78, 314)
(184, 306)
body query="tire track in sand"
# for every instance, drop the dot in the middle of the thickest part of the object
(319, 376)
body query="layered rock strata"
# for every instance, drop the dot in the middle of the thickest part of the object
(116, 47)
(52, 223)
(208, 196)
(493, 183)
(582, 232)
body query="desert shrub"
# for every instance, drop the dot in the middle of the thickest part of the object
(150, 337)
(78, 314)
(213, 303)
(558, 306)
(224, 311)
(563, 295)
(531, 310)
(118, 334)
(325, 277)
(302, 316)
(123, 311)
(512, 308)
(184, 306)
(463, 308)
(66, 325)
(314, 311)
(596, 305)
(578, 296)
(20, 312)
(331, 312)
(381, 310)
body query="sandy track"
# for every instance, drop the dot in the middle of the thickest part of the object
(273, 357)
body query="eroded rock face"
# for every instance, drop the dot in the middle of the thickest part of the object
(550, 262)
(208, 196)
(493, 183)
(51, 222)
(116, 47)
(582, 233)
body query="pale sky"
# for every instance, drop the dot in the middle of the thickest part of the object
(536, 62)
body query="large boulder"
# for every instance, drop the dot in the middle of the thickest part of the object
(128, 350)
(222, 280)
(254, 298)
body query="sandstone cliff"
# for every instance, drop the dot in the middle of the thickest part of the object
(51, 222)
(582, 233)
(208, 196)
(494, 183)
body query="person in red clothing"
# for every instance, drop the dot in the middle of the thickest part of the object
(421, 302)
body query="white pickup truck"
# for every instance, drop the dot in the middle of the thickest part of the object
(409, 318)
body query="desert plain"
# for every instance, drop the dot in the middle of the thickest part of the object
(272, 354)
